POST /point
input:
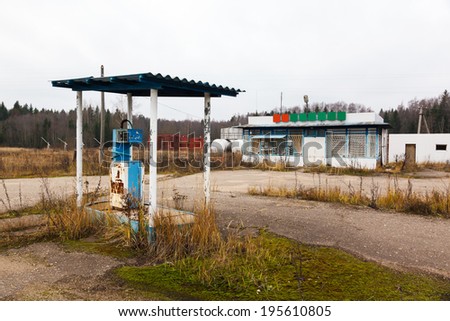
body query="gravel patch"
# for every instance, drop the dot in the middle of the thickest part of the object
(41, 265)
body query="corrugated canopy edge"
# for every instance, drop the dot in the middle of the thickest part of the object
(140, 85)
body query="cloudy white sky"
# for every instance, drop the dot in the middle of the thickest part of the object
(377, 53)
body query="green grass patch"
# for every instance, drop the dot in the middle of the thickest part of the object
(267, 267)
(9, 241)
(98, 246)
(9, 214)
(32, 210)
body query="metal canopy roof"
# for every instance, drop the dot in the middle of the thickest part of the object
(140, 85)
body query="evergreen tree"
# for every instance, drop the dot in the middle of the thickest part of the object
(444, 108)
(3, 112)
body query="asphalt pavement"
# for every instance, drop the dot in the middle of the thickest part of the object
(402, 241)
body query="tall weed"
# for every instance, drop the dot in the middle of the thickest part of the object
(433, 203)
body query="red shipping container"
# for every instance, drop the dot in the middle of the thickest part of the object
(276, 118)
(285, 118)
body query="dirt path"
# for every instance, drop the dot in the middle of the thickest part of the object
(45, 271)
(48, 271)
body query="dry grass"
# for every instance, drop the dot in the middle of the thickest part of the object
(13, 149)
(401, 167)
(64, 219)
(437, 166)
(52, 217)
(21, 162)
(350, 170)
(203, 245)
(435, 202)
(172, 241)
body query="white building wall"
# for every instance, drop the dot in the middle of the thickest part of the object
(260, 120)
(370, 117)
(363, 163)
(299, 161)
(314, 151)
(231, 133)
(425, 147)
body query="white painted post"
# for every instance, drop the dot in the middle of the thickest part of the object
(153, 155)
(102, 121)
(130, 109)
(79, 148)
(384, 146)
(130, 117)
(207, 151)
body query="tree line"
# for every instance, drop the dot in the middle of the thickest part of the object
(26, 126)
(316, 107)
(405, 119)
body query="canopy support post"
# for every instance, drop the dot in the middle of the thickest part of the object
(130, 116)
(130, 109)
(79, 149)
(102, 121)
(152, 209)
(207, 151)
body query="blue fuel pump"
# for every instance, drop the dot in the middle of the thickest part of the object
(126, 174)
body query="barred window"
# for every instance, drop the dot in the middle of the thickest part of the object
(336, 145)
(360, 144)
(372, 148)
(356, 145)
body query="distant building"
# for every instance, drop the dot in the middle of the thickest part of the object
(337, 139)
(419, 148)
(231, 133)
(177, 142)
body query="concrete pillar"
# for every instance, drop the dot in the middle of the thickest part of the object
(152, 209)
(207, 150)
(102, 121)
(79, 149)
(130, 109)
(130, 117)
(384, 146)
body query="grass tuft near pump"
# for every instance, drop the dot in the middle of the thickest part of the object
(126, 174)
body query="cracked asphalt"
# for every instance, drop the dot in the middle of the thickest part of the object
(398, 240)
(402, 241)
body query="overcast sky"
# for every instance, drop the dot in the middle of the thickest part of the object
(377, 53)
